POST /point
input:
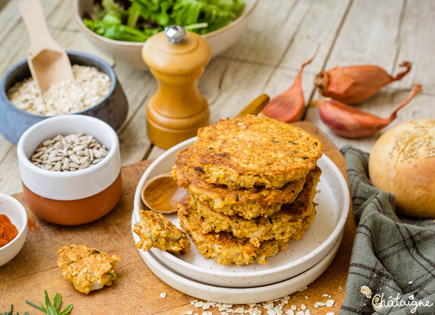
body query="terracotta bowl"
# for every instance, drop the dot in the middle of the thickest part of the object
(77, 197)
(131, 52)
(16, 213)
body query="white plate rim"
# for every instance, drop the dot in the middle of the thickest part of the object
(244, 295)
(323, 248)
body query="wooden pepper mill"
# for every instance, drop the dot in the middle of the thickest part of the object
(177, 59)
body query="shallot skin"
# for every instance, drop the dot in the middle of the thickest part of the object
(347, 121)
(355, 84)
(350, 122)
(289, 106)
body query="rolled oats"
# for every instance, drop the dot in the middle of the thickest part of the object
(89, 87)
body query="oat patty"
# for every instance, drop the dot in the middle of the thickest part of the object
(155, 230)
(224, 247)
(290, 222)
(254, 151)
(248, 203)
(87, 268)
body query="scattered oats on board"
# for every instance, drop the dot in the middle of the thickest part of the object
(366, 291)
(330, 303)
(319, 304)
(303, 307)
(163, 295)
(330, 313)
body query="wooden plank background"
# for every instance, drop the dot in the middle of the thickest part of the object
(281, 35)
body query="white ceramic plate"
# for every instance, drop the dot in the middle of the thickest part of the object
(237, 295)
(323, 235)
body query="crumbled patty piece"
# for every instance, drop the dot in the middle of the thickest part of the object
(155, 230)
(224, 247)
(290, 222)
(248, 203)
(253, 151)
(87, 268)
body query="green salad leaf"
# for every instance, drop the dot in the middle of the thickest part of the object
(137, 20)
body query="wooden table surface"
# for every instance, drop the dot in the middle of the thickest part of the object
(281, 35)
(137, 290)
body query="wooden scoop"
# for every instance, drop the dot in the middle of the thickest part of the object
(48, 62)
(162, 193)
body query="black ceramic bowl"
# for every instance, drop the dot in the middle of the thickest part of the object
(112, 109)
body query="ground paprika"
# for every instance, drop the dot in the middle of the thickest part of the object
(8, 231)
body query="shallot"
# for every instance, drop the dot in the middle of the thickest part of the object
(350, 122)
(355, 84)
(289, 106)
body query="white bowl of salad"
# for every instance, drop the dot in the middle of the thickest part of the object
(120, 27)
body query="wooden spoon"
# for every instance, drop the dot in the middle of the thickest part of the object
(48, 62)
(161, 193)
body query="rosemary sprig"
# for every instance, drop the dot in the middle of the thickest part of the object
(52, 309)
(11, 312)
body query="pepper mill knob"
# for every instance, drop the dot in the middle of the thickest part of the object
(177, 59)
(175, 34)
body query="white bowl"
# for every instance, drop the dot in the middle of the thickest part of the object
(325, 232)
(94, 188)
(16, 213)
(131, 52)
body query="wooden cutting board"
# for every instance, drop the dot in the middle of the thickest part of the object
(137, 290)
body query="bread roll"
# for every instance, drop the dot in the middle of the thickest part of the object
(403, 162)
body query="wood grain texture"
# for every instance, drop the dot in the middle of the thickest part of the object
(281, 35)
(137, 290)
(384, 34)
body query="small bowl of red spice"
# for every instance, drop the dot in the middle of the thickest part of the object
(13, 227)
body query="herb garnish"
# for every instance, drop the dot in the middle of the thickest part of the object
(52, 309)
(12, 311)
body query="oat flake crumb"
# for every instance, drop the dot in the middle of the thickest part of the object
(163, 295)
(366, 291)
(330, 303)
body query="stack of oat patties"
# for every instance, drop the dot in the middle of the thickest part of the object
(251, 183)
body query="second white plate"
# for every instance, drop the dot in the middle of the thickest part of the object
(323, 235)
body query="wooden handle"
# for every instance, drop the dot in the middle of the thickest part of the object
(255, 106)
(33, 16)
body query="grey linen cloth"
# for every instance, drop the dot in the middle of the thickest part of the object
(393, 256)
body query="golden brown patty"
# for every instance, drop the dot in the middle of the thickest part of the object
(253, 151)
(224, 247)
(248, 203)
(155, 230)
(290, 222)
(87, 268)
